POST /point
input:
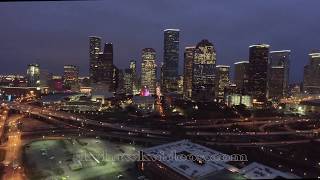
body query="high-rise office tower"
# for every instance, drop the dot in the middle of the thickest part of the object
(148, 70)
(127, 81)
(33, 75)
(241, 77)
(105, 70)
(222, 81)
(258, 67)
(275, 82)
(161, 76)
(45, 78)
(311, 79)
(187, 72)
(134, 76)
(94, 61)
(71, 77)
(180, 85)
(117, 80)
(170, 60)
(278, 75)
(203, 71)
(108, 67)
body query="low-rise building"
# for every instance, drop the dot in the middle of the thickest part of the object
(184, 160)
(259, 171)
(237, 99)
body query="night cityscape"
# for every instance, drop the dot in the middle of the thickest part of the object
(168, 90)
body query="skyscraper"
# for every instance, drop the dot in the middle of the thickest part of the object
(278, 75)
(148, 70)
(134, 76)
(187, 71)
(203, 71)
(104, 69)
(311, 79)
(222, 80)
(107, 63)
(258, 67)
(45, 78)
(170, 60)
(127, 81)
(33, 75)
(95, 63)
(241, 76)
(275, 82)
(117, 80)
(71, 77)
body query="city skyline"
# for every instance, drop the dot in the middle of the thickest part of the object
(41, 36)
(163, 90)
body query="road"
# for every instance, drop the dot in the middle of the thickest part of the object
(3, 118)
(85, 124)
(47, 113)
(13, 147)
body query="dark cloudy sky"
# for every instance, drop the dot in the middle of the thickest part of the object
(56, 33)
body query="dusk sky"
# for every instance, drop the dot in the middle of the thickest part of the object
(56, 33)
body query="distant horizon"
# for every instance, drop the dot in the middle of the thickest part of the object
(53, 34)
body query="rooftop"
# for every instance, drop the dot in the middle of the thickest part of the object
(172, 155)
(222, 66)
(260, 45)
(171, 30)
(260, 171)
(281, 51)
(241, 62)
(314, 54)
(277, 67)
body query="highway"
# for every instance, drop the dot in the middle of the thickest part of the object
(46, 113)
(84, 124)
(252, 144)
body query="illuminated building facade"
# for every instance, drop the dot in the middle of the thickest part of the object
(148, 69)
(237, 99)
(13, 80)
(33, 75)
(170, 60)
(295, 89)
(102, 70)
(117, 83)
(94, 61)
(71, 77)
(133, 69)
(56, 84)
(180, 85)
(222, 81)
(241, 77)
(187, 72)
(203, 74)
(258, 67)
(278, 75)
(311, 79)
(127, 80)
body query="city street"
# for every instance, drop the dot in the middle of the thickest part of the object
(12, 162)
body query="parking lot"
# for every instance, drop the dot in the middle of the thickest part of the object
(80, 159)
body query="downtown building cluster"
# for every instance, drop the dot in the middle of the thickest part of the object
(263, 77)
(202, 79)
